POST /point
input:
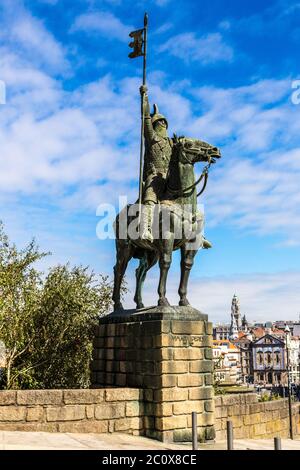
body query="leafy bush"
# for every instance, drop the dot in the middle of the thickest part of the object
(219, 390)
(47, 323)
(268, 397)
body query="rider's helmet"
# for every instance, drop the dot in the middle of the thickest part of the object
(156, 116)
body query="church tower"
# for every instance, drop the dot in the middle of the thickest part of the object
(236, 312)
(236, 322)
(233, 332)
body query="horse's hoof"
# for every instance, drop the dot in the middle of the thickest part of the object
(163, 303)
(184, 303)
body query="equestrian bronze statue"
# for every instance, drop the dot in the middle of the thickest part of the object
(165, 217)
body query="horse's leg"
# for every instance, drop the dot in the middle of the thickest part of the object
(124, 254)
(165, 259)
(140, 275)
(187, 261)
(146, 263)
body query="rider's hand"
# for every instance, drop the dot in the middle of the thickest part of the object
(143, 90)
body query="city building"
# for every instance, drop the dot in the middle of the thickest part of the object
(243, 343)
(264, 357)
(221, 332)
(267, 351)
(293, 326)
(269, 361)
(293, 344)
(227, 331)
(226, 357)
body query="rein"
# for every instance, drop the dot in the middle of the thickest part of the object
(204, 175)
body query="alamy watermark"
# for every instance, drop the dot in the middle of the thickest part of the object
(296, 94)
(162, 222)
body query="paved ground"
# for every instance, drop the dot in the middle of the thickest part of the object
(16, 440)
(46, 441)
(253, 444)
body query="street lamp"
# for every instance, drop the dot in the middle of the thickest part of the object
(287, 342)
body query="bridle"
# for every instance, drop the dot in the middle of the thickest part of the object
(204, 175)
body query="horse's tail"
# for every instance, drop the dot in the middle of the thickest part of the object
(121, 223)
(116, 225)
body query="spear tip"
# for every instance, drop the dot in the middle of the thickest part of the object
(146, 20)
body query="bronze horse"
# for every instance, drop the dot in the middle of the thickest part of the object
(178, 207)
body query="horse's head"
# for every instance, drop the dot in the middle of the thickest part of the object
(194, 150)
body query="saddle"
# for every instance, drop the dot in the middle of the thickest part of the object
(192, 221)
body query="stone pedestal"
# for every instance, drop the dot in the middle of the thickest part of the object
(166, 352)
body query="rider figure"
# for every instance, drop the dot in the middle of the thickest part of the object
(158, 151)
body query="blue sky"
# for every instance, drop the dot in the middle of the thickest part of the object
(220, 71)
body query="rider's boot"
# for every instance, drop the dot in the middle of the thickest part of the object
(206, 244)
(146, 222)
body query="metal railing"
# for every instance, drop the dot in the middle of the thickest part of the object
(229, 435)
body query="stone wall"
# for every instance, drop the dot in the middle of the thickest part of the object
(252, 419)
(167, 353)
(124, 410)
(110, 410)
(96, 411)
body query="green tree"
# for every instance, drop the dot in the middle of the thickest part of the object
(71, 303)
(20, 292)
(47, 323)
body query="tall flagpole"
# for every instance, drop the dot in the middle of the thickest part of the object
(143, 118)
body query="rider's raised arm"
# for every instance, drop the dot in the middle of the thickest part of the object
(149, 132)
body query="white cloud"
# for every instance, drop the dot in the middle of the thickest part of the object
(71, 143)
(263, 297)
(28, 36)
(164, 28)
(225, 25)
(31, 35)
(104, 23)
(88, 140)
(79, 148)
(52, 139)
(255, 187)
(206, 49)
(273, 19)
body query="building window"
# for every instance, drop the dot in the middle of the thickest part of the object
(270, 378)
(269, 359)
(279, 378)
